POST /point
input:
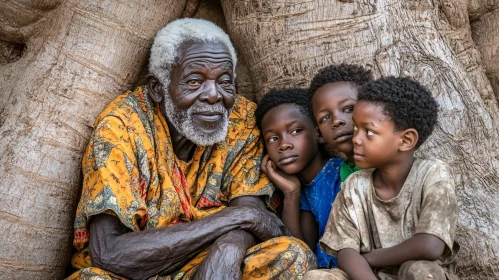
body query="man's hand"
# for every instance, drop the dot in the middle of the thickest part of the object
(256, 219)
(225, 256)
(115, 248)
(288, 184)
(263, 224)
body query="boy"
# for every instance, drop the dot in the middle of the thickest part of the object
(292, 143)
(396, 219)
(333, 94)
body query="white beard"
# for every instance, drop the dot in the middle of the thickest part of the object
(182, 121)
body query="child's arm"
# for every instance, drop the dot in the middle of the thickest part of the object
(421, 246)
(290, 186)
(310, 229)
(353, 264)
(436, 225)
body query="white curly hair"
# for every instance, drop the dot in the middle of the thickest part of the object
(166, 44)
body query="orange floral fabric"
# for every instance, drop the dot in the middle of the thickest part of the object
(278, 258)
(131, 171)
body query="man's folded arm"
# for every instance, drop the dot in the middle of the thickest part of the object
(225, 256)
(115, 248)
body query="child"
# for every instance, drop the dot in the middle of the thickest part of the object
(292, 143)
(395, 220)
(333, 94)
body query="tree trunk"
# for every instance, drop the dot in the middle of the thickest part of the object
(285, 43)
(484, 17)
(61, 62)
(454, 24)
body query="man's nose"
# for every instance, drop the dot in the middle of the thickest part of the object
(210, 92)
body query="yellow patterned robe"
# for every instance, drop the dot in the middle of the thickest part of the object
(131, 171)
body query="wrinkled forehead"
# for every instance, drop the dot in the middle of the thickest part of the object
(191, 51)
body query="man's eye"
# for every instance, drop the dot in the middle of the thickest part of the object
(194, 82)
(296, 131)
(325, 118)
(272, 139)
(227, 83)
(348, 109)
(370, 133)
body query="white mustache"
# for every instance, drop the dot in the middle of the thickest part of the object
(207, 108)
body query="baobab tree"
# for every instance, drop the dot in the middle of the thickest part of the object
(62, 61)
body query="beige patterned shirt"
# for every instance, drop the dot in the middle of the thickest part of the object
(426, 204)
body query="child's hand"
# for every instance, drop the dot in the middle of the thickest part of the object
(286, 183)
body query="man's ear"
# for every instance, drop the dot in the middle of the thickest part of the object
(408, 139)
(156, 90)
(320, 139)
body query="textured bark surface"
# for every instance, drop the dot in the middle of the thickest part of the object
(285, 43)
(454, 24)
(61, 62)
(484, 17)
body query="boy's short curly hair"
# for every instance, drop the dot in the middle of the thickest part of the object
(406, 102)
(276, 97)
(355, 74)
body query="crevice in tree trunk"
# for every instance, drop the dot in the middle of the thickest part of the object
(11, 51)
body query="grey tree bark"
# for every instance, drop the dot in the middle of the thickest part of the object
(484, 20)
(287, 42)
(61, 63)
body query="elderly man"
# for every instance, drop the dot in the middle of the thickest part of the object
(171, 185)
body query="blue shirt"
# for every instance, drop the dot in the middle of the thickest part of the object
(318, 197)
